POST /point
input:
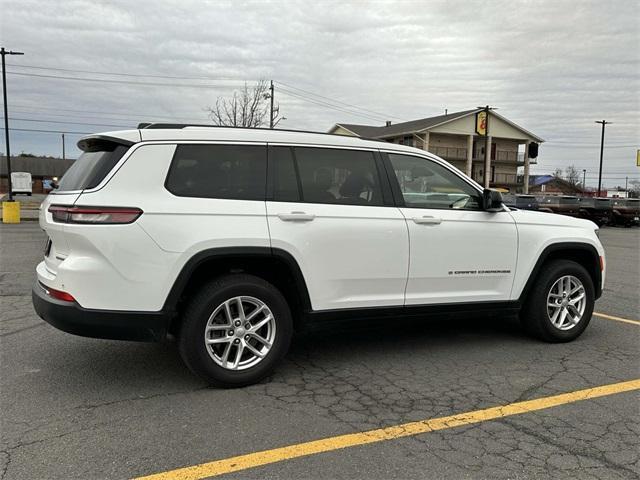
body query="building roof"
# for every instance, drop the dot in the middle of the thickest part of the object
(404, 127)
(36, 166)
(415, 126)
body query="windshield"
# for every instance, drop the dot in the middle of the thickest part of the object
(92, 166)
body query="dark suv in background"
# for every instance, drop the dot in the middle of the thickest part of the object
(598, 210)
(564, 205)
(626, 211)
(523, 202)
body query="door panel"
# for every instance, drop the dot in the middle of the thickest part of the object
(466, 256)
(350, 256)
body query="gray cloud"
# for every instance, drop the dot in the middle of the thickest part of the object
(552, 66)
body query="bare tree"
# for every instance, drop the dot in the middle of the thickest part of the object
(572, 175)
(248, 107)
(557, 173)
(634, 188)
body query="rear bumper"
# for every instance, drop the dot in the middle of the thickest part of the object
(109, 324)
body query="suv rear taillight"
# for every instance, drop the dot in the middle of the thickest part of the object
(94, 215)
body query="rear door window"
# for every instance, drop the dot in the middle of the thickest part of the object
(92, 166)
(347, 177)
(219, 171)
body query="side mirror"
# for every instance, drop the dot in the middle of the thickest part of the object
(492, 200)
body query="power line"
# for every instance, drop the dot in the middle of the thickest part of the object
(172, 77)
(104, 116)
(573, 143)
(135, 114)
(338, 101)
(47, 131)
(184, 85)
(328, 105)
(124, 82)
(138, 75)
(71, 123)
(591, 146)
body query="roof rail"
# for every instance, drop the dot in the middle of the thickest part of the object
(177, 126)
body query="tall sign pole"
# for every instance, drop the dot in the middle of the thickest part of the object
(482, 128)
(4, 53)
(487, 152)
(603, 123)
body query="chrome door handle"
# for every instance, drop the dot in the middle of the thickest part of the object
(296, 217)
(427, 220)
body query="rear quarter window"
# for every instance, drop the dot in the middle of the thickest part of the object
(92, 166)
(219, 171)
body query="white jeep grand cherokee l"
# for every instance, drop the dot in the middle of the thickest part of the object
(227, 238)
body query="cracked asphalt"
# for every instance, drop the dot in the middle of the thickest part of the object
(73, 407)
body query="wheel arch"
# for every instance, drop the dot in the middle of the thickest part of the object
(584, 254)
(274, 265)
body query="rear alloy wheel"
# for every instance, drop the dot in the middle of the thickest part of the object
(240, 333)
(235, 330)
(560, 304)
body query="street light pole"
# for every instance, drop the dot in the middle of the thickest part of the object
(64, 157)
(584, 179)
(4, 52)
(603, 123)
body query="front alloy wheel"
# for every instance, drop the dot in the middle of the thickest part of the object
(566, 302)
(559, 305)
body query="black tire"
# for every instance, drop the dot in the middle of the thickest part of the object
(534, 316)
(196, 315)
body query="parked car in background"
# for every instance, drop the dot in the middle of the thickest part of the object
(21, 183)
(626, 211)
(598, 210)
(523, 202)
(564, 205)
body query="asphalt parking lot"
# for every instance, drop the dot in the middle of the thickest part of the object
(81, 408)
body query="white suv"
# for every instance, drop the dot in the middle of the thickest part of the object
(228, 238)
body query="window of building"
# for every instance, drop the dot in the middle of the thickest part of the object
(426, 184)
(219, 171)
(329, 175)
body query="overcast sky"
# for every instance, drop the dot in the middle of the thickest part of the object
(554, 67)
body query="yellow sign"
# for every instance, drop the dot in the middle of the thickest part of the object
(481, 123)
(638, 158)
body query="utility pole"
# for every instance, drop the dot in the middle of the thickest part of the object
(603, 123)
(626, 187)
(271, 110)
(4, 52)
(63, 154)
(584, 179)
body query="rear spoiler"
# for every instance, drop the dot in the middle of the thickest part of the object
(94, 143)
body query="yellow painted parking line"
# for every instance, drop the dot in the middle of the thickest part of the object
(251, 460)
(617, 319)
